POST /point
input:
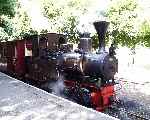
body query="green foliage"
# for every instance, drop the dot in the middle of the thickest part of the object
(95, 41)
(7, 11)
(123, 15)
(18, 26)
(21, 23)
(43, 31)
(144, 33)
(7, 7)
(64, 16)
(69, 28)
(126, 27)
(6, 26)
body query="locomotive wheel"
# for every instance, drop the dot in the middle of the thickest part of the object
(86, 99)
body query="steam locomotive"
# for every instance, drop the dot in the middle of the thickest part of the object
(88, 77)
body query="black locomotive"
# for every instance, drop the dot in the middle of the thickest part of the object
(88, 77)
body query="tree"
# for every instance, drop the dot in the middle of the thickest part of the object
(7, 7)
(21, 23)
(123, 17)
(127, 26)
(7, 11)
(64, 16)
(17, 25)
(69, 27)
(144, 34)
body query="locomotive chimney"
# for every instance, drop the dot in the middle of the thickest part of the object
(101, 28)
(85, 42)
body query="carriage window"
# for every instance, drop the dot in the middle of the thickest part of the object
(28, 48)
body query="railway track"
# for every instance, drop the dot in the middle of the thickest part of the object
(137, 117)
(129, 107)
(140, 115)
(121, 111)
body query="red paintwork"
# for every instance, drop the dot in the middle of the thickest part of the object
(14, 56)
(10, 54)
(100, 97)
(20, 57)
(106, 92)
(69, 83)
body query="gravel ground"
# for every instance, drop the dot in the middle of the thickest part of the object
(134, 84)
(133, 91)
(133, 101)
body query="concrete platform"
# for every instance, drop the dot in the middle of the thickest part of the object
(19, 101)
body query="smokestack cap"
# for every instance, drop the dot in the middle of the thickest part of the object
(101, 28)
(103, 25)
